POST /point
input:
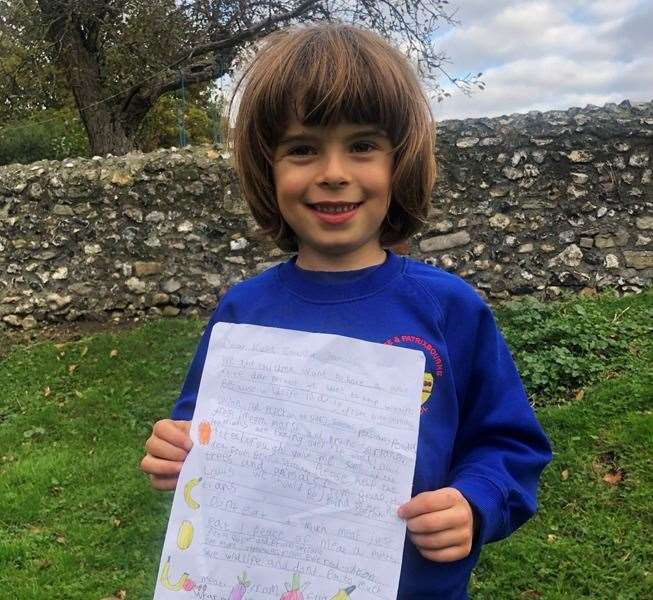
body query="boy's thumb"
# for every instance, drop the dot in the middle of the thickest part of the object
(185, 427)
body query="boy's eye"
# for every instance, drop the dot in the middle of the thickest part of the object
(363, 147)
(301, 150)
(308, 150)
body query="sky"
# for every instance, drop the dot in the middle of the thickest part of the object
(547, 54)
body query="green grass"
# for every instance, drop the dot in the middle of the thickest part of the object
(79, 521)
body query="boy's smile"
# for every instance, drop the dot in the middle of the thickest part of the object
(333, 187)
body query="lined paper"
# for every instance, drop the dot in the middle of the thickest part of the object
(304, 447)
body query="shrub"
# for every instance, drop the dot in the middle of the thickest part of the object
(52, 135)
(160, 127)
(564, 346)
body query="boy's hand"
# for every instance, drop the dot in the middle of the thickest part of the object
(166, 449)
(440, 524)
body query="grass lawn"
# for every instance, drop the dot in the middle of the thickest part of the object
(78, 519)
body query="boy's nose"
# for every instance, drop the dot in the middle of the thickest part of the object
(334, 170)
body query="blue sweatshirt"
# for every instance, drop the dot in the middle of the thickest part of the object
(477, 430)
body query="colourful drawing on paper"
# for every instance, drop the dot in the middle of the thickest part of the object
(204, 431)
(239, 590)
(428, 387)
(295, 592)
(183, 583)
(185, 535)
(188, 488)
(344, 594)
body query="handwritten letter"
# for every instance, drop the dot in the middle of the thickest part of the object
(304, 447)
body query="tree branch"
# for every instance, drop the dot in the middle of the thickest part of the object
(246, 35)
(196, 73)
(251, 33)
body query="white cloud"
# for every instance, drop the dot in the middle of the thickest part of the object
(611, 8)
(549, 54)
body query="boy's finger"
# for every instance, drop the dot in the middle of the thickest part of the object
(159, 448)
(428, 502)
(183, 425)
(159, 467)
(164, 483)
(440, 540)
(435, 521)
(446, 555)
(174, 432)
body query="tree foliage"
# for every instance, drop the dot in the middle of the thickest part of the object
(116, 58)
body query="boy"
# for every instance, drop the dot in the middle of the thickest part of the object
(333, 145)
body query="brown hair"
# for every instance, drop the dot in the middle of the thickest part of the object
(324, 74)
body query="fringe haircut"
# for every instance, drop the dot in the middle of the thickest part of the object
(324, 74)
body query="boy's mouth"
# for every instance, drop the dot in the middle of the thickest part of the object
(334, 207)
(335, 212)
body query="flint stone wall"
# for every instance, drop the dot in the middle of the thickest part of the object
(525, 204)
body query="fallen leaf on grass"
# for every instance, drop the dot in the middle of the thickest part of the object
(607, 464)
(72, 368)
(47, 391)
(613, 477)
(551, 538)
(113, 353)
(564, 475)
(580, 394)
(119, 595)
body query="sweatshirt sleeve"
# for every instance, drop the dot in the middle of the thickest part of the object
(500, 448)
(185, 405)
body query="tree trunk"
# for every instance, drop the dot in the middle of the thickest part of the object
(78, 57)
(106, 134)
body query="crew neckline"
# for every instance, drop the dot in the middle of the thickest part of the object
(337, 277)
(301, 283)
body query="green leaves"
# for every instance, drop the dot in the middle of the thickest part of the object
(565, 346)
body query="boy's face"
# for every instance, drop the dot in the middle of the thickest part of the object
(333, 188)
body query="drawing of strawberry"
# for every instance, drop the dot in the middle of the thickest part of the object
(189, 584)
(294, 593)
(238, 591)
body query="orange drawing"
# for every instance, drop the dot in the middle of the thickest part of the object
(204, 430)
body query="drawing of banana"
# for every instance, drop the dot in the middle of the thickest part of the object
(185, 535)
(188, 488)
(182, 583)
(344, 594)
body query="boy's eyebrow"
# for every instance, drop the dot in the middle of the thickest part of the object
(305, 136)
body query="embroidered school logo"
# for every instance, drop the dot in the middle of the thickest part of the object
(434, 365)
